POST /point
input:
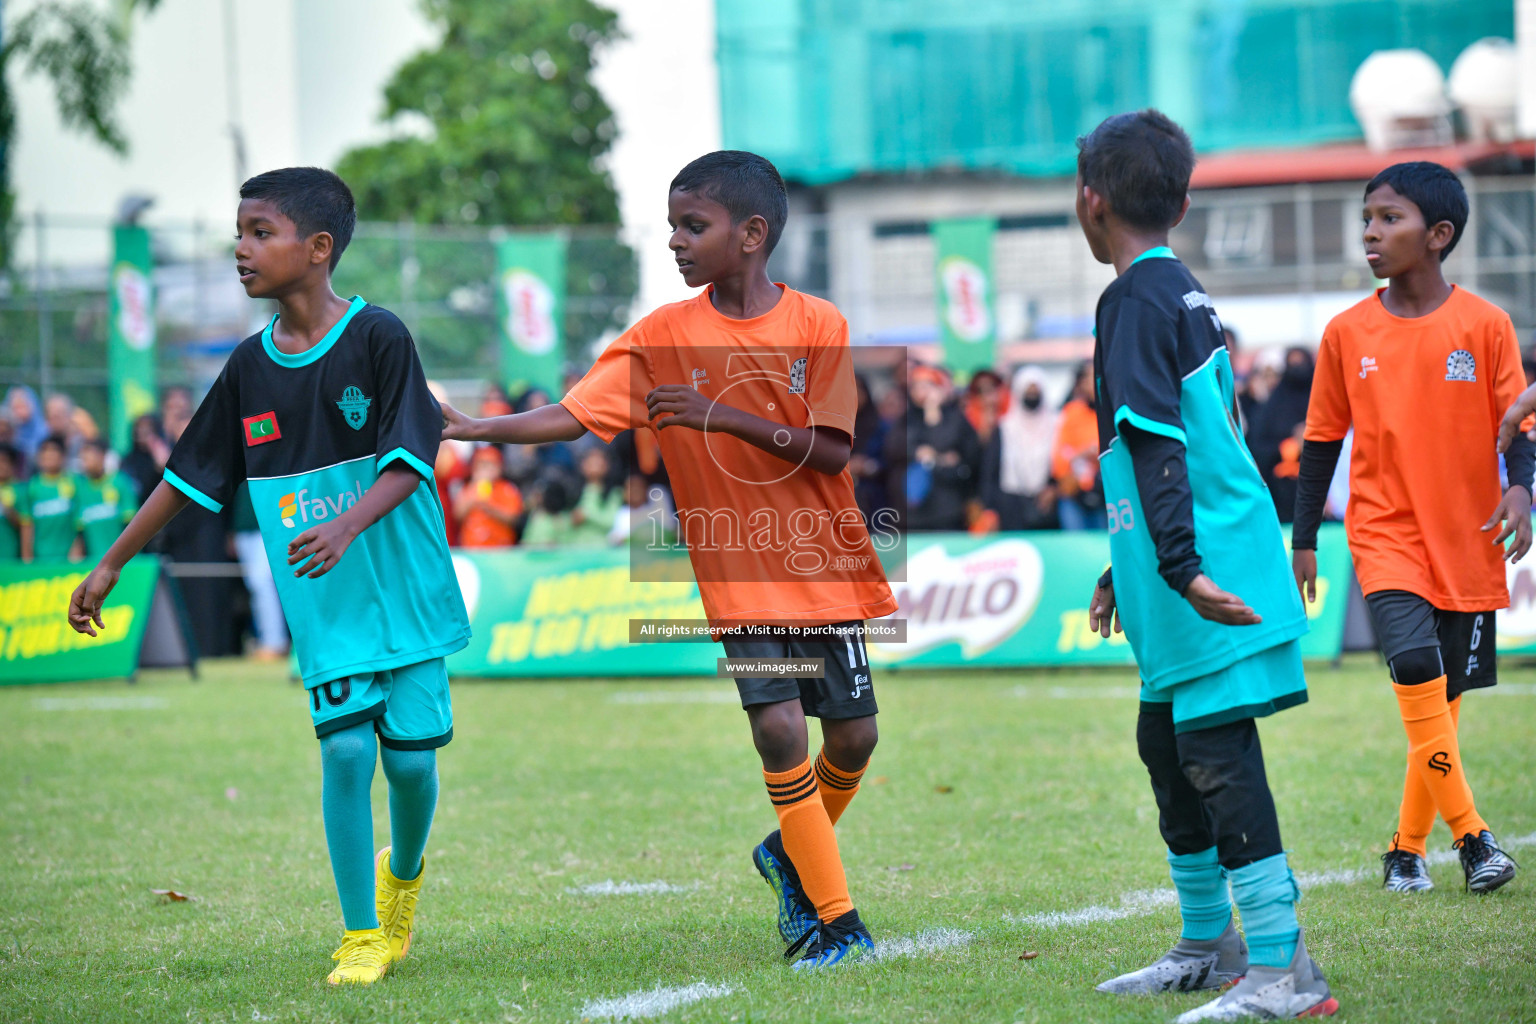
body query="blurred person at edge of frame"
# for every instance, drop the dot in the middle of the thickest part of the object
(1075, 464)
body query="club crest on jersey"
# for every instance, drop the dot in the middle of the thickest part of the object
(354, 406)
(797, 376)
(1461, 366)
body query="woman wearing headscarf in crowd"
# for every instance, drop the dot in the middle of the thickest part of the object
(1075, 463)
(26, 415)
(943, 454)
(1278, 424)
(1016, 476)
(866, 463)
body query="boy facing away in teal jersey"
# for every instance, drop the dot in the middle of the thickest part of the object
(1190, 515)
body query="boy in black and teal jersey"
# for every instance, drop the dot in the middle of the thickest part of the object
(104, 503)
(1187, 507)
(327, 415)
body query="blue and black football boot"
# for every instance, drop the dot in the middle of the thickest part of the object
(831, 943)
(797, 914)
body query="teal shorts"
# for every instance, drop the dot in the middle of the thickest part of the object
(1258, 685)
(409, 706)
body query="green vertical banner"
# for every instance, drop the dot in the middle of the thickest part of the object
(963, 269)
(530, 274)
(130, 332)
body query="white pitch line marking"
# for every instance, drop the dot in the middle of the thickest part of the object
(1147, 901)
(675, 697)
(608, 887)
(100, 703)
(651, 1003)
(932, 940)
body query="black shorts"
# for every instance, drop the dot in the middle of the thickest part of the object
(847, 690)
(1404, 621)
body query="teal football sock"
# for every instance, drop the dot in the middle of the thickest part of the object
(1265, 893)
(1202, 886)
(346, 765)
(412, 776)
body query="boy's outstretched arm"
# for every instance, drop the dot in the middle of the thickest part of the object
(159, 508)
(537, 426)
(321, 547)
(1162, 480)
(824, 449)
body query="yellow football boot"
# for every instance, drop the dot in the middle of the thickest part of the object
(395, 902)
(363, 958)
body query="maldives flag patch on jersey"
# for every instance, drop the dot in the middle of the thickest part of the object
(261, 429)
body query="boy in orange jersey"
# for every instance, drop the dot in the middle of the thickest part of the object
(1422, 370)
(749, 390)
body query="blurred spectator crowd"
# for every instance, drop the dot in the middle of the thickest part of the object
(1005, 452)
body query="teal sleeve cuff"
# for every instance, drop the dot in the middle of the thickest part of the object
(1124, 414)
(401, 455)
(192, 492)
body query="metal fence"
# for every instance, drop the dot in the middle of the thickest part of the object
(53, 302)
(1278, 261)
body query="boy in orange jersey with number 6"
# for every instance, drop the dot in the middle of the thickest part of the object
(749, 390)
(1422, 370)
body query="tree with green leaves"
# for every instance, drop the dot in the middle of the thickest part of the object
(501, 125)
(83, 51)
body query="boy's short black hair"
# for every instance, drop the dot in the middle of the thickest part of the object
(95, 443)
(314, 198)
(11, 452)
(54, 441)
(1434, 189)
(744, 183)
(1140, 162)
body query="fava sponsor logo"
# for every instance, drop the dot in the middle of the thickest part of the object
(298, 507)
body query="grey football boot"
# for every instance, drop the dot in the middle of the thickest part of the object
(1272, 993)
(1403, 871)
(1189, 966)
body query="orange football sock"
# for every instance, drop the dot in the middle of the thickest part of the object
(1435, 754)
(809, 839)
(837, 786)
(1417, 815)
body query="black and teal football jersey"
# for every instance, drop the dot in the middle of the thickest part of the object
(1161, 366)
(311, 432)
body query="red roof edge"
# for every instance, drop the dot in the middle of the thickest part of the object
(1347, 162)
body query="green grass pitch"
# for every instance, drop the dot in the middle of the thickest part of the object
(994, 800)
